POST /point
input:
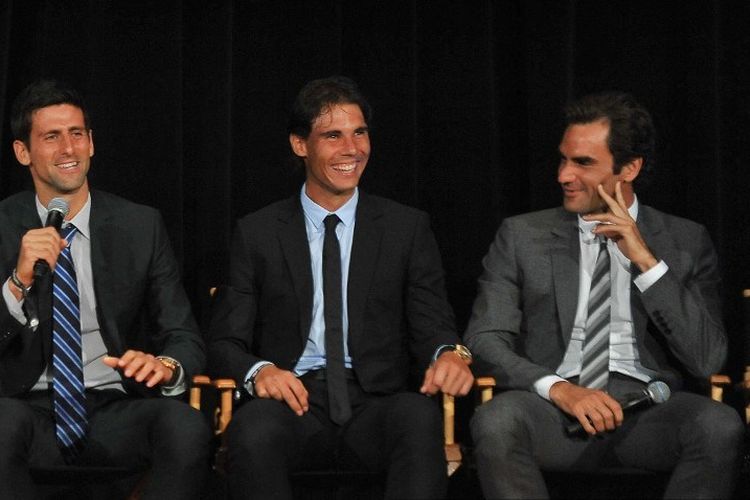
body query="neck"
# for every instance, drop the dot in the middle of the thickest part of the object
(75, 201)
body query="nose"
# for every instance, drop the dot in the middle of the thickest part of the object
(66, 144)
(565, 172)
(348, 146)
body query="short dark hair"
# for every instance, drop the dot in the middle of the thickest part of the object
(631, 129)
(316, 96)
(37, 95)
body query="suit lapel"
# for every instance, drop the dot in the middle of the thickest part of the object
(296, 250)
(104, 262)
(565, 254)
(368, 233)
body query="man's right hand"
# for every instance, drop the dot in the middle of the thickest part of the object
(596, 410)
(282, 385)
(45, 244)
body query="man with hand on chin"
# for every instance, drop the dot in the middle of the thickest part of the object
(581, 305)
(80, 379)
(335, 296)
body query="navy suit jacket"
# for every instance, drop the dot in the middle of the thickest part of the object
(523, 315)
(140, 301)
(397, 305)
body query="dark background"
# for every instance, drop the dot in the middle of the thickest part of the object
(189, 104)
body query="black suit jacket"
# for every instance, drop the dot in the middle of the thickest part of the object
(398, 311)
(141, 303)
(524, 312)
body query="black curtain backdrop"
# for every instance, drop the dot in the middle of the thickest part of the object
(189, 103)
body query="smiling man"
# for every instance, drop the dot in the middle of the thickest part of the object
(97, 340)
(581, 305)
(335, 297)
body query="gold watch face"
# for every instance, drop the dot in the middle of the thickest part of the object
(463, 352)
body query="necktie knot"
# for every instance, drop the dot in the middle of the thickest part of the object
(68, 232)
(330, 222)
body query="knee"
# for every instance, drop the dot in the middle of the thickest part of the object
(184, 433)
(258, 428)
(718, 429)
(16, 422)
(416, 416)
(498, 422)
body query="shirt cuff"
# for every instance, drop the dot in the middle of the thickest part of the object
(179, 386)
(15, 308)
(644, 280)
(249, 381)
(543, 385)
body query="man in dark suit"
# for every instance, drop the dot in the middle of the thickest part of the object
(580, 305)
(90, 374)
(335, 297)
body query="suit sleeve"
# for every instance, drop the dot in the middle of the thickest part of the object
(233, 313)
(429, 315)
(177, 333)
(685, 309)
(494, 331)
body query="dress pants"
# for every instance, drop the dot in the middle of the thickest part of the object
(518, 433)
(166, 437)
(400, 434)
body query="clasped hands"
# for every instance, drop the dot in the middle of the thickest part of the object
(449, 374)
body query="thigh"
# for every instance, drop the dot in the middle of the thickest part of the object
(127, 431)
(27, 431)
(523, 422)
(409, 422)
(262, 429)
(656, 438)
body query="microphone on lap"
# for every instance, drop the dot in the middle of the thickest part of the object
(57, 209)
(656, 392)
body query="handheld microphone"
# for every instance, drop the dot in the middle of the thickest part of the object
(656, 392)
(56, 212)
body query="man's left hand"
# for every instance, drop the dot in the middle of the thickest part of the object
(450, 374)
(619, 226)
(141, 366)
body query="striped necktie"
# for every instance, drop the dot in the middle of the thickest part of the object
(595, 362)
(67, 366)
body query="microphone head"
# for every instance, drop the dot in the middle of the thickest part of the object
(58, 205)
(658, 391)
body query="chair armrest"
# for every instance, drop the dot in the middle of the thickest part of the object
(486, 386)
(452, 449)
(225, 386)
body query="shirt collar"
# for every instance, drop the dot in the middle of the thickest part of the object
(587, 226)
(315, 213)
(80, 221)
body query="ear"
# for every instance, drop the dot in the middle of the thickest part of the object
(91, 143)
(299, 145)
(631, 170)
(22, 153)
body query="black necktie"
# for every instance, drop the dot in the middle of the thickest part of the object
(338, 396)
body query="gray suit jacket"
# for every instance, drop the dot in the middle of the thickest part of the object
(524, 312)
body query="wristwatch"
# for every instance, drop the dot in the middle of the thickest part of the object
(462, 351)
(170, 363)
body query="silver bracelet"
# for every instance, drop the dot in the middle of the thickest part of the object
(19, 284)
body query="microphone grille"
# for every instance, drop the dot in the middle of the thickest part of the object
(58, 205)
(659, 391)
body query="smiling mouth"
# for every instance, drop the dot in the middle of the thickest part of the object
(67, 165)
(344, 168)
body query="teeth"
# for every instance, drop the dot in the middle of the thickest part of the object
(67, 165)
(344, 168)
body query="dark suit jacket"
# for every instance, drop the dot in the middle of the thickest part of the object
(141, 303)
(523, 315)
(398, 311)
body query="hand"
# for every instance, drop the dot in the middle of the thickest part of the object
(619, 226)
(281, 385)
(142, 367)
(36, 244)
(596, 410)
(450, 374)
